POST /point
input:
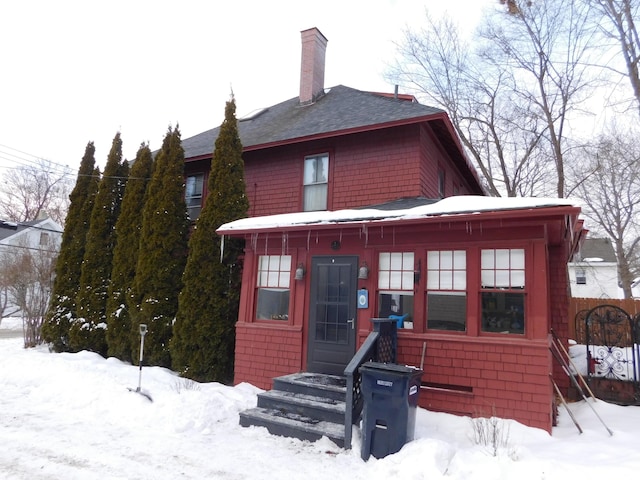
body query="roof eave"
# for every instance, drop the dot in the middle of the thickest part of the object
(560, 212)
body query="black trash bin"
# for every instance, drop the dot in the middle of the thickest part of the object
(390, 393)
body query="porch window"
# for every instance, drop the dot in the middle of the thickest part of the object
(316, 181)
(446, 290)
(193, 194)
(395, 287)
(503, 290)
(274, 275)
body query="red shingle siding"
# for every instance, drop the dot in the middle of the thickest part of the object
(263, 353)
(365, 169)
(483, 378)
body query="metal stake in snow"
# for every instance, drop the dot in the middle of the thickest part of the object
(143, 332)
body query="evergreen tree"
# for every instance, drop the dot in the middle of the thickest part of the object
(125, 256)
(203, 344)
(163, 253)
(55, 329)
(87, 330)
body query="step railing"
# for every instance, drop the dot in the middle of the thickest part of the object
(380, 346)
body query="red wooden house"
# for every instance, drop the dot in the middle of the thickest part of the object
(479, 281)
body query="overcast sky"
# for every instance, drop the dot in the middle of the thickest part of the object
(79, 71)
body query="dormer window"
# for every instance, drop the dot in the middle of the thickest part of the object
(316, 182)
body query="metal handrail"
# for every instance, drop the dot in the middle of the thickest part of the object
(353, 407)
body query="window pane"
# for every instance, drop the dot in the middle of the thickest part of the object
(433, 260)
(315, 197)
(285, 263)
(407, 280)
(383, 279)
(407, 261)
(272, 304)
(447, 311)
(517, 278)
(487, 279)
(460, 280)
(396, 261)
(460, 260)
(284, 279)
(446, 260)
(488, 259)
(517, 258)
(503, 312)
(502, 279)
(395, 280)
(502, 258)
(397, 305)
(446, 280)
(433, 280)
(385, 261)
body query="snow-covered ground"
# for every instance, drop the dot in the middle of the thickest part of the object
(71, 416)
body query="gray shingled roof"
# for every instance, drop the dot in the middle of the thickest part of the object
(340, 109)
(9, 228)
(598, 248)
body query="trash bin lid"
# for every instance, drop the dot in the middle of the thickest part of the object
(389, 367)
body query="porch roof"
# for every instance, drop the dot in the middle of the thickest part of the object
(459, 208)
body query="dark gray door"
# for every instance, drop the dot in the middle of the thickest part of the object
(332, 313)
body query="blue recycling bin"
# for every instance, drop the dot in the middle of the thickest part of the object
(390, 394)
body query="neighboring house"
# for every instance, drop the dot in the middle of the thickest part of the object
(593, 272)
(41, 235)
(480, 281)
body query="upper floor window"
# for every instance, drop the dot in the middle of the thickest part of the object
(447, 290)
(395, 287)
(581, 276)
(274, 274)
(44, 238)
(316, 182)
(503, 290)
(193, 194)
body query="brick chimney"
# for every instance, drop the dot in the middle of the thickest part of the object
(314, 45)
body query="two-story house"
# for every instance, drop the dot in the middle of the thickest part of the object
(593, 271)
(40, 238)
(364, 205)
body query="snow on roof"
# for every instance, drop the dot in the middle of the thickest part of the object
(464, 204)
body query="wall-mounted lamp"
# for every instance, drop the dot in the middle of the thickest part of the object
(300, 271)
(417, 273)
(363, 272)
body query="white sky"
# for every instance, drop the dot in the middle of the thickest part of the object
(75, 71)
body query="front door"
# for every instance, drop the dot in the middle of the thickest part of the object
(332, 313)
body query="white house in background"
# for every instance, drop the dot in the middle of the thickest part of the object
(41, 235)
(593, 273)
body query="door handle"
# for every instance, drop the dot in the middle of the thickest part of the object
(351, 321)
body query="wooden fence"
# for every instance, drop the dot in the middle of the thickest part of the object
(583, 305)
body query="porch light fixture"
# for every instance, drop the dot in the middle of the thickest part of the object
(300, 271)
(363, 272)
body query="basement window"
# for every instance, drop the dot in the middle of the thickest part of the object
(274, 276)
